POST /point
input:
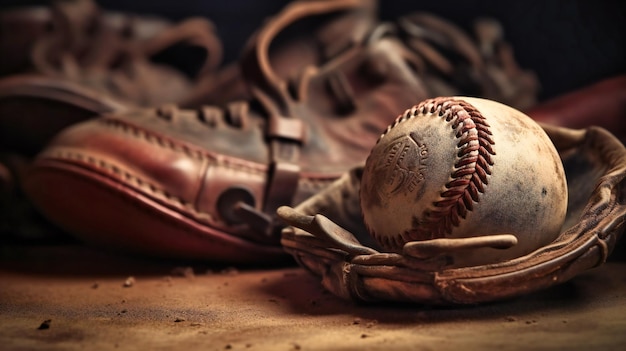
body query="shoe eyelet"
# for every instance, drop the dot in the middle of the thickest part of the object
(228, 200)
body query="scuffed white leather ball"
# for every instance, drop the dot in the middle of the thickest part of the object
(461, 167)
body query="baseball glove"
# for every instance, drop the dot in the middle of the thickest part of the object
(327, 236)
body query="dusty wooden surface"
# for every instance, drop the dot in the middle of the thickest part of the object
(80, 296)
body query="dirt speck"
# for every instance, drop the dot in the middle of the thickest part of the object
(129, 282)
(45, 324)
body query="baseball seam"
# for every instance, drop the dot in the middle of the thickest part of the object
(470, 174)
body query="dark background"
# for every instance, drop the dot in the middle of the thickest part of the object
(569, 44)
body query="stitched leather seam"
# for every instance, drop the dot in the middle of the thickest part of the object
(305, 181)
(167, 143)
(135, 181)
(153, 190)
(170, 221)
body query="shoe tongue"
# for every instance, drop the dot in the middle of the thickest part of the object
(303, 34)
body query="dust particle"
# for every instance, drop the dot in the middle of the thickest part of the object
(179, 319)
(130, 281)
(363, 336)
(95, 286)
(45, 324)
(511, 319)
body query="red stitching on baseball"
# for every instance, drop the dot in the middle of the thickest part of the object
(471, 171)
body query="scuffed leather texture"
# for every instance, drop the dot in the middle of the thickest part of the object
(205, 183)
(327, 237)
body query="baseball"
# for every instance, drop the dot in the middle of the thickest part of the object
(460, 167)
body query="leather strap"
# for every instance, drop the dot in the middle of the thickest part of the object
(255, 62)
(286, 137)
